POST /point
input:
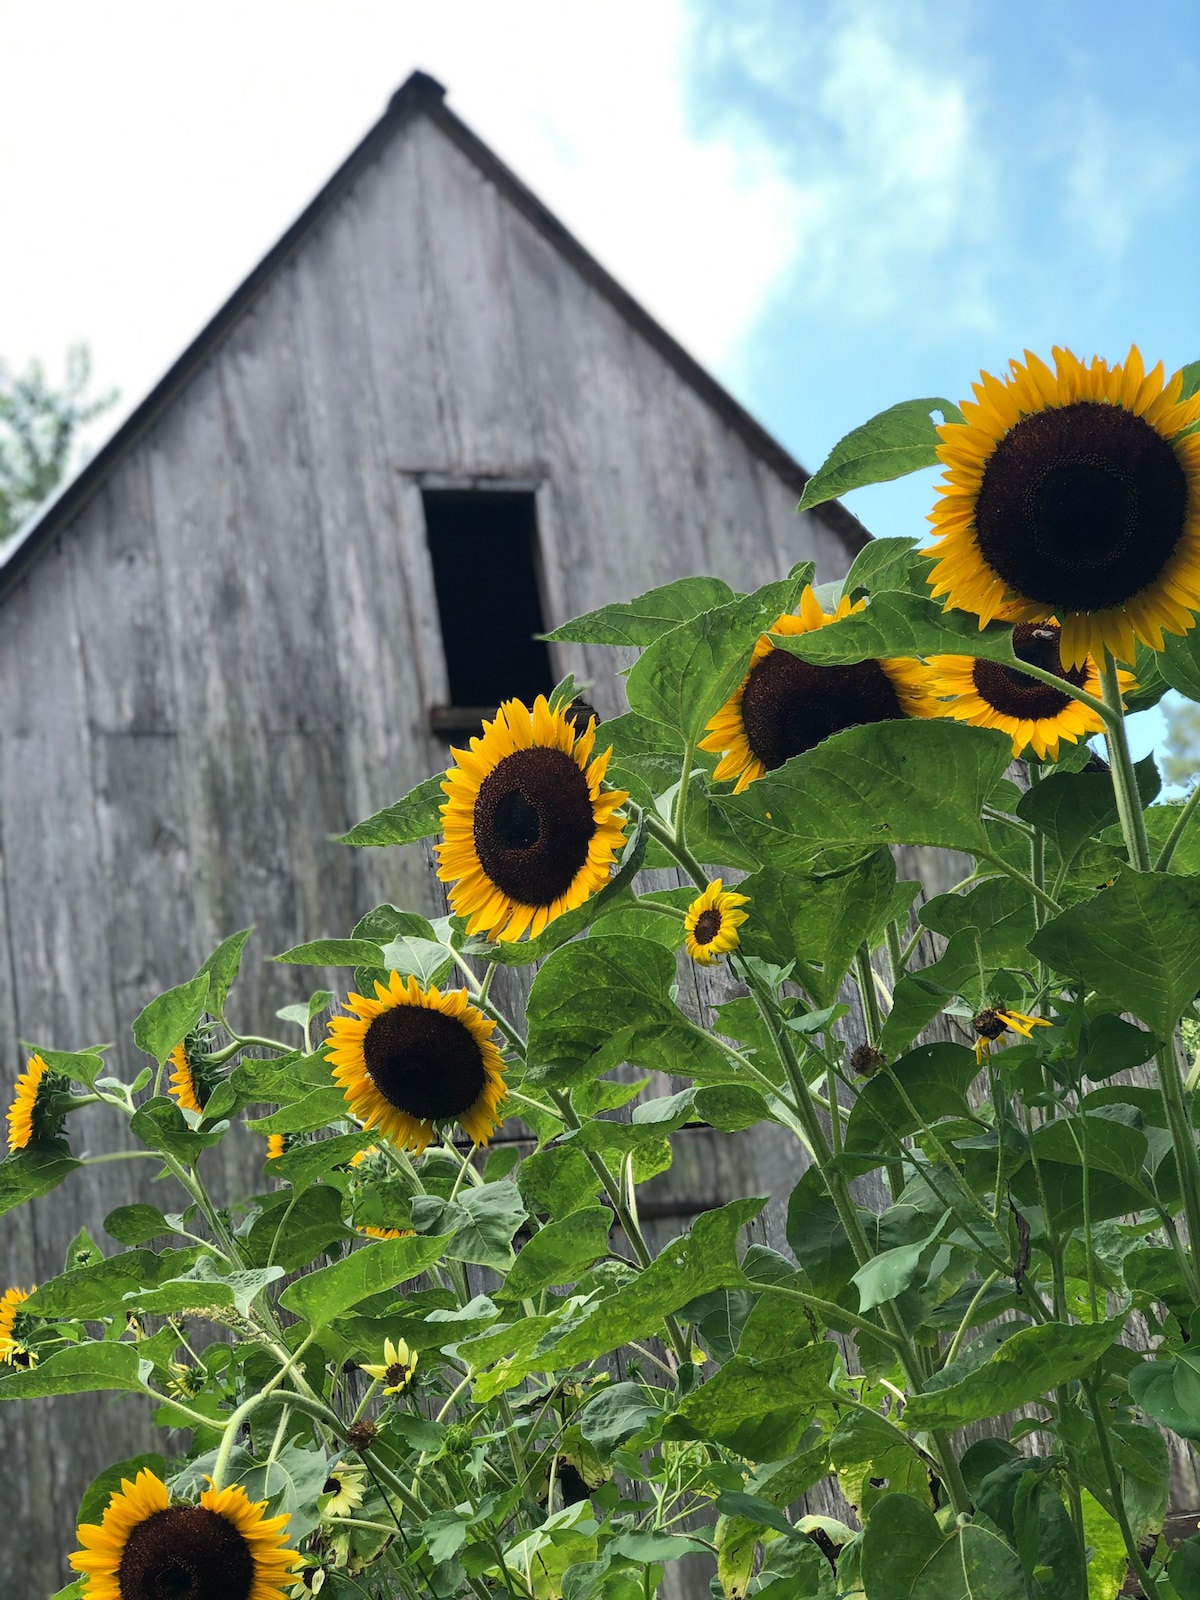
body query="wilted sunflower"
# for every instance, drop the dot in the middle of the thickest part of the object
(346, 1487)
(785, 706)
(991, 695)
(396, 1369)
(28, 1116)
(1073, 494)
(529, 832)
(991, 1024)
(413, 1058)
(145, 1548)
(12, 1351)
(710, 926)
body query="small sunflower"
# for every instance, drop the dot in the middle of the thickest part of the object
(529, 831)
(370, 1231)
(991, 695)
(396, 1369)
(12, 1351)
(185, 1086)
(414, 1057)
(186, 1381)
(145, 1548)
(276, 1145)
(710, 927)
(991, 1024)
(345, 1487)
(357, 1159)
(1073, 494)
(785, 706)
(30, 1116)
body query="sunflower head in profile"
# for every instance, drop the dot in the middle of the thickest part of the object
(33, 1116)
(710, 925)
(346, 1487)
(530, 831)
(1075, 494)
(13, 1351)
(785, 706)
(414, 1058)
(396, 1369)
(145, 1548)
(192, 1081)
(992, 695)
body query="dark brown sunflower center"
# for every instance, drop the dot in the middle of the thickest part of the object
(1014, 693)
(396, 1374)
(186, 1553)
(708, 926)
(989, 1024)
(789, 706)
(425, 1063)
(332, 1486)
(533, 825)
(1081, 506)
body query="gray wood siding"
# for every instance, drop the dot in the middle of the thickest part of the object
(229, 654)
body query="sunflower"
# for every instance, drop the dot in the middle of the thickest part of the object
(28, 1116)
(991, 1024)
(12, 1351)
(345, 1486)
(710, 927)
(529, 832)
(276, 1146)
(784, 705)
(991, 695)
(145, 1548)
(396, 1369)
(357, 1159)
(414, 1057)
(370, 1231)
(1076, 494)
(184, 1086)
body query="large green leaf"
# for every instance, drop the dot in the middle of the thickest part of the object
(887, 564)
(737, 1406)
(81, 1369)
(1135, 945)
(222, 968)
(559, 1252)
(689, 673)
(892, 1271)
(998, 910)
(890, 783)
(1179, 663)
(817, 1239)
(334, 953)
(1073, 806)
(900, 624)
(290, 1481)
(166, 1021)
(642, 620)
(1025, 1367)
(477, 1227)
(695, 1264)
(33, 1172)
(906, 1555)
(935, 1079)
(900, 440)
(98, 1290)
(326, 1294)
(417, 816)
(161, 1126)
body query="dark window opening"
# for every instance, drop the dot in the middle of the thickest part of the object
(484, 552)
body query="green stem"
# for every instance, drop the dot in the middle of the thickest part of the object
(1129, 801)
(1150, 1588)
(1186, 813)
(1020, 877)
(249, 1406)
(865, 974)
(895, 952)
(965, 1325)
(1187, 1157)
(658, 829)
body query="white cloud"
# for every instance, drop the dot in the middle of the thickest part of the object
(149, 154)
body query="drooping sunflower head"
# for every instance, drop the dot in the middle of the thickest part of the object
(992, 695)
(396, 1369)
(414, 1058)
(13, 1351)
(186, 1085)
(31, 1115)
(1074, 494)
(145, 1548)
(530, 832)
(710, 925)
(785, 706)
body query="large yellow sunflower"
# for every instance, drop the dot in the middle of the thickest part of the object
(12, 1351)
(1073, 494)
(412, 1058)
(529, 831)
(785, 706)
(22, 1114)
(710, 926)
(991, 695)
(145, 1548)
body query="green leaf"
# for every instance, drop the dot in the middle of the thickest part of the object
(560, 1252)
(729, 1107)
(936, 1079)
(82, 1369)
(33, 1172)
(1111, 1146)
(223, 966)
(133, 1225)
(99, 1290)
(84, 1066)
(693, 1265)
(1073, 806)
(907, 1556)
(1179, 663)
(291, 1482)
(301, 1227)
(817, 1239)
(424, 959)
(616, 1414)
(900, 440)
(306, 1163)
(899, 624)
(477, 1227)
(890, 1272)
(334, 953)
(1027, 1366)
(887, 564)
(732, 1407)
(161, 1126)
(101, 1490)
(1134, 944)
(907, 782)
(315, 1110)
(417, 816)
(558, 1180)
(689, 673)
(205, 1284)
(998, 911)
(167, 1021)
(326, 1294)
(643, 620)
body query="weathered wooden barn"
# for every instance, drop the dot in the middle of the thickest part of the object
(429, 415)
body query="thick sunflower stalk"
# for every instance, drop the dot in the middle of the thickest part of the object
(437, 1352)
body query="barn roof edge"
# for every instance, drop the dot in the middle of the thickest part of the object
(419, 94)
